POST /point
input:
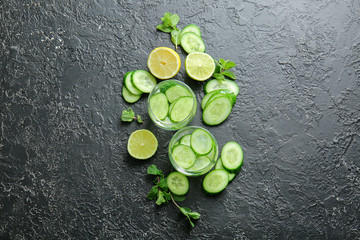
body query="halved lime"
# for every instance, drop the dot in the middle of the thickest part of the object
(142, 144)
(199, 66)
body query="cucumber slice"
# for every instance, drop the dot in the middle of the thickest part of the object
(129, 85)
(206, 98)
(128, 96)
(191, 28)
(181, 109)
(177, 183)
(220, 93)
(176, 92)
(201, 142)
(159, 105)
(191, 42)
(220, 166)
(215, 181)
(183, 156)
(200, 163)
(232, 157)
(217, 110)
(216, 84)
(143, 81)
(185, 140)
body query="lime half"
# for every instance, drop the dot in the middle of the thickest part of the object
(142, 144)
(199, 66)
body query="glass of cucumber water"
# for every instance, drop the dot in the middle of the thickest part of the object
(193, 151)
(172, 104)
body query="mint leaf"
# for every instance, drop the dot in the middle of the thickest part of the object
(163, 184)
(153, 170)
(222, 62)
(185, 210)
(194, 215)
(229, 74)
(138, 119)
(127, 115)
(160, 200)
(174, 19)
(167, 196)
(153, 193)
(229, 64)
(175, 37)
(164, 28)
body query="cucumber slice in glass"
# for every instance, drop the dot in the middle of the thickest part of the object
(232, 157)
(185, 140)
(129, 85)
(176, 92)
(217, 110)
(159, 105)
(200, 163)
(201, 142)
(177, 183)
(216, 84)
(183, 156)
(215, 181)
(143, 81)
(191, 42)
(181, 109)
(128, 96)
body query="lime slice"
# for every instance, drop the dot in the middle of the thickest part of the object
(142, 144)
(199, 66)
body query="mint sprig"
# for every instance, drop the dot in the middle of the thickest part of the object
(162, 194)
(169, 26)
(222, 69)
(128, 115)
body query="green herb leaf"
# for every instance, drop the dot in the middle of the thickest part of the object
(127, 115)
(185, 210)
(163, 184)
(153, 170)
(167, 196)
(153, 193)
(229, 64)
(217, 68)
(178, 198)
(174, 19)
(175, 37)
(160, 200)
(138, 119)
(194, 215)
(191, 223)
(164, 28)
(229, 74)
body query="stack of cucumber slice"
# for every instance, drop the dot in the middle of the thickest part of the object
(173, 103)
(136, 83)
(194, 151)
(226, 168)
(190, 39)
(220, 97)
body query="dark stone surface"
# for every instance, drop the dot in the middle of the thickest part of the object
(64, 169)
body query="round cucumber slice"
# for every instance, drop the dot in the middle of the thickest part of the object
(191, 42)
(176, 92)
(232, 157)
(220, 166)
(183, 156)
(217, 110)
(181, 109)
(216, 84)
(159, 105)
(143, 81)
(128, 96)
(201, 142)
(200, 163)
(177, 183)
(215, 181)
(185, 140)
(129, 85)
(191, 28)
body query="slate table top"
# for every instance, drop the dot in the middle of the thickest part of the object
(65, 172)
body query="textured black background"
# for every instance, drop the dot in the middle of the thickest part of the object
(64, 169)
